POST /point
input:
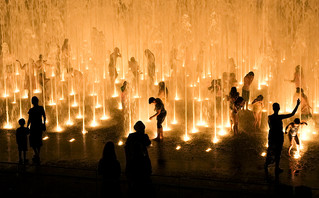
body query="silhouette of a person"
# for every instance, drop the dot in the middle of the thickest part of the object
(150, 65)
(248, 79)
(112, 64)
(138, 164)
(276, 137)
(110, 169)
(37, 121)
(22, 141)
(292, 130)
(160, 115)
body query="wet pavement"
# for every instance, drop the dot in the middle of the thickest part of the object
(233, 165)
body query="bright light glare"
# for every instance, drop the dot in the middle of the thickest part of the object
(209, 149)
(215, 140)
(72, 140)
(222, 132)
(120, 143)
(7, 126)
(94, 124)
(174, 122)
(186, 138)
(194, 130)
(263, 154)
(104, 117)
(45, 138)
(58, 129)
(69, 123)
(296, 156)
(178, 147)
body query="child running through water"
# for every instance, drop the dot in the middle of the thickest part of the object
(258, 105)
(292, 130)
(22, 141)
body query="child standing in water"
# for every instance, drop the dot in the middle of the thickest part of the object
(292, 130)
(258, 105)
(162, 91)
(248, 79)
(160, 116)
(304, 104)
(22, 141)
(237, 106)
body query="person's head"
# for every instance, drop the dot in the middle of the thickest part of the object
(296, 122)
(239, 101)
(40, 57)
(65, 43)
(117, 50)
(151, 100)
(161, 85)
(109, 151)
(146, 52)
(212, 85)
(225, 76)
(232, 75)
(139, 126)
(233, 90)
(260, 98)
(251, 74)
(132, 59)
(123, 88)
(22, 122)
(297, 69)
(298, 90)
(276, 107)
(35, 101)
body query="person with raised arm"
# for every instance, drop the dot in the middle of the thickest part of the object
(276, 137)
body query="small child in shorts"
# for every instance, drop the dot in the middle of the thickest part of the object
(292, 130)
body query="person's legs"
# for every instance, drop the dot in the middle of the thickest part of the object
(245, 95)
(277, 157)
(20, 156)
(297, 144)
(259, 119)
(161, 136)
(256, 119)
(236, 125)
(291, 141)
(160, 119)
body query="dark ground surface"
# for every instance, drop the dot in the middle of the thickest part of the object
(233, 168)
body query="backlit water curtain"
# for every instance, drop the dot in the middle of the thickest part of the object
(193, 42)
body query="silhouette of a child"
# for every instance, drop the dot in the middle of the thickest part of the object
(22, 141)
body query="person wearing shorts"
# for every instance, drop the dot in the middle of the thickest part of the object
(292, 130)
(160, 116)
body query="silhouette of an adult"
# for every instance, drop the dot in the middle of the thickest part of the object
(276, 137)
(110, 169)
(138, 164)
(36, 113)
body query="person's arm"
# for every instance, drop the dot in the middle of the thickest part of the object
(294, 80)
(156, 114)
(29, 122)
(284, 116)
(147, 140)
(288, 127)
(305, 123)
